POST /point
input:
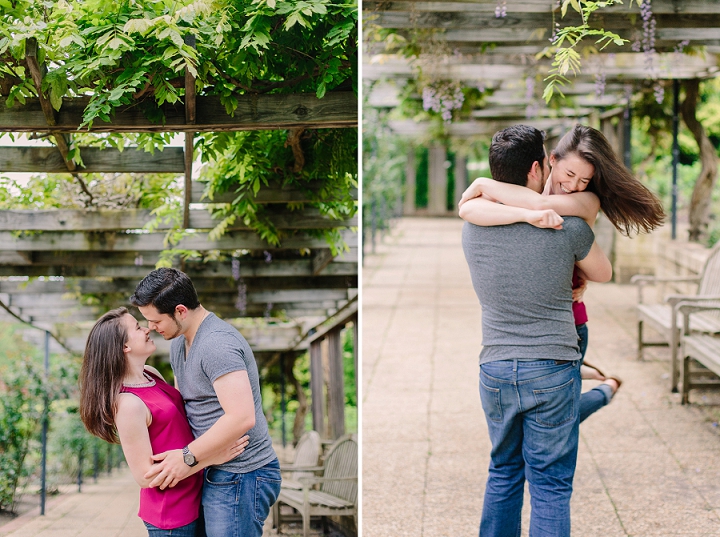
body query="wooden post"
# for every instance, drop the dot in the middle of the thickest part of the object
(461, 176)
(336, 385)
(410, 183)
(437, 181)
(316, 387)
(356, 343)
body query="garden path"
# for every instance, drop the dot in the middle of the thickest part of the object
(647, 466)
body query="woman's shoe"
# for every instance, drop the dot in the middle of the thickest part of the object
(617, 380)
(590, 372)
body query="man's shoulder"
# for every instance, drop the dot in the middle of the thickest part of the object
(576, 225)
(220, 332)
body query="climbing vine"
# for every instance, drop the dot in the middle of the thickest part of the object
(136, 53)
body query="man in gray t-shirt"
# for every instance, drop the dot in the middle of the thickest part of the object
(529, 365)
(216, 374)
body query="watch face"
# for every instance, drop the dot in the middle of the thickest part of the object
(189, 459)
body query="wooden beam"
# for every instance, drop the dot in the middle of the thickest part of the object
(343, 317)
(273, 193)
(202, 285)
(141, 242)
(336, 384)
(125, 219)
(316, 388)
(131, 160)
(254, 112)
(43, 265)
(530, 26)
(687, 7)
(187, 185)
(321, 259)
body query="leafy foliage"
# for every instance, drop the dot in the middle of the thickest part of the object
(135, 53)
(652, 147)
(23, 389)
(566, 58)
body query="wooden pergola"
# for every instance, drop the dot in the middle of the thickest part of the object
(466, 42)
(50, 259)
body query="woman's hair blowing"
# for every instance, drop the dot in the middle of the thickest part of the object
(627, 203)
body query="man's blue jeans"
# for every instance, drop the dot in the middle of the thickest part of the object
(531, 408)
(236, 505)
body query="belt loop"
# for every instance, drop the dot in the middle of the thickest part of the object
(515, 361)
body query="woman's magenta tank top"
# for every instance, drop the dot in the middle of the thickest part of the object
(177, 506)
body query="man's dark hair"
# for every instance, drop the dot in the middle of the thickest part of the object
(166, 288)
(513, 152)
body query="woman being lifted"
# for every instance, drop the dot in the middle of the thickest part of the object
(586, 177)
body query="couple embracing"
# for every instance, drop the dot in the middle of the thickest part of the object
(211, 419)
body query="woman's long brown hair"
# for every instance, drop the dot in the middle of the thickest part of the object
(627, 203)
(101, 376)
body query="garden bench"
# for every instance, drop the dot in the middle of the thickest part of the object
(335, 493)
(665, 318)
(703, 348)
(307, 453)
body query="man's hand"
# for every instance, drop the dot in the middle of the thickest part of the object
(169, 470)
(579, 291)
(473, 191)
(546, 218)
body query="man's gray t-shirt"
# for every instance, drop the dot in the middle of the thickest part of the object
(217, 349)
(522, 276)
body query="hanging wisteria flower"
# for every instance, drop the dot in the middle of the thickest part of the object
(443, 97)
(556, 29)
(599, 84)
(529, 87)
(241, 301)
(681, 46)
(235, 268)
(501, 9)
(648, 40)
(531, 110)
(659, 92)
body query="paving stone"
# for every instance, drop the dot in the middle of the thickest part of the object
(647, 466)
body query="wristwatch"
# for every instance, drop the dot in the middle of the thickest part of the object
(188, 457)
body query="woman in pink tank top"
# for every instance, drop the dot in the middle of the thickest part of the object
(122, 399)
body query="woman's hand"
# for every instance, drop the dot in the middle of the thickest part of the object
(473, 191)
(546, 218)
(579, 291)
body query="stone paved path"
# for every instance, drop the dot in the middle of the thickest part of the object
(106, 509)
(647, 466)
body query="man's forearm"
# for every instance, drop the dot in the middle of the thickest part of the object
(227, 429)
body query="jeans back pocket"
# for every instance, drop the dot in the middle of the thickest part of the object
(556, 405)
(490, 399)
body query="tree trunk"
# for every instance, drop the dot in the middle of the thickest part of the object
(299, 423)
(700, 202)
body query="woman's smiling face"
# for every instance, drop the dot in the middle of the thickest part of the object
(570, 174)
